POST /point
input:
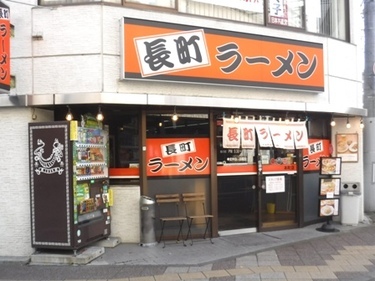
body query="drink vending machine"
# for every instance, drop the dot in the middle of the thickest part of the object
(69, 185)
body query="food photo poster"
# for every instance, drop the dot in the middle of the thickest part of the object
(330, 187)
(330, 165)
(347, 147)
(329, 207)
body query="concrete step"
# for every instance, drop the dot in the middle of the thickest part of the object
(58, 257)
(109, 242)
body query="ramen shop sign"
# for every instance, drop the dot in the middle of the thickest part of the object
(4, 47)
(178, 156)
(154, 50)
(242, 134)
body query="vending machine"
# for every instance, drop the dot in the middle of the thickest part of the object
(69, 185)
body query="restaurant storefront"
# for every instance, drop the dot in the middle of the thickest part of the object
(248, 160)
(252, 182)
(238, 86)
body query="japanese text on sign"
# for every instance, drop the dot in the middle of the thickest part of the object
(172, 52)
(179, 157)
(275, 184)
(4, 49)
(281, 135)
(311, 155)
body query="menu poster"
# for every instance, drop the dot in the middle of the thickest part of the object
(330, 187)
(329, 207)
(275, 184)
(330, 165)
(347, 147)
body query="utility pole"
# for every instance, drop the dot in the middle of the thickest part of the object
(369, 104)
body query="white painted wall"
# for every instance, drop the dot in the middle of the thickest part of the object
(14, 174)
(352, 172)
(125, 213)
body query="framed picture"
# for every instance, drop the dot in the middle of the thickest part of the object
(329, 187)
(330, 165)
(329, 207)
(347, 147)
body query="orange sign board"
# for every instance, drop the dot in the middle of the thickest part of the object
(178, 156)
(311, 156)
(4, 47)
(252, 168)
(173, 52)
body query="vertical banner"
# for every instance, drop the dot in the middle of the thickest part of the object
(264, 135)
(301, 139)
(282, 136)
(279, 134)
(4, 47)
(247, 136)
(311, 155)
(231, 134)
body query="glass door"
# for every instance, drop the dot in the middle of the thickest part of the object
(277, 188)
(260, 196)
(256, 187)
(278, 202)
(237, 203)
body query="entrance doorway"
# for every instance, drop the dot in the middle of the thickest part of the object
(243, 206)
(278, 204)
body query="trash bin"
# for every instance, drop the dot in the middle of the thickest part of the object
(350, 203)
(147, 205)
(271, 208)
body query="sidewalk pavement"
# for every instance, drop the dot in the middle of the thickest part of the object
(296, 254)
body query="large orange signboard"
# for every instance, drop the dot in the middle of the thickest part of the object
(173, 52)
(4, 47)
(178, 156)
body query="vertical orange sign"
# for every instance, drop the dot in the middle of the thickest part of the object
(311, 155)
(4, 47)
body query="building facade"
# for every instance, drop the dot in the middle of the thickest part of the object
(230, 70)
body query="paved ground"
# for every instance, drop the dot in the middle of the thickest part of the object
(298, 254)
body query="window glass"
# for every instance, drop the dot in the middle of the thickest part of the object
(238, 10)
(124, 140)
(162, 125)
(286, 12)
(160, 3)
(328, 17)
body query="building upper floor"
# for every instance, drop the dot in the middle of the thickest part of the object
(78, 48)
(325, 17)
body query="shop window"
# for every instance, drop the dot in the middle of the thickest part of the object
(238, 10)
(318, 128)
(286, 13)
(328, 17)
(125, 141)
(159, 3)
(243, 156)
(186, 125)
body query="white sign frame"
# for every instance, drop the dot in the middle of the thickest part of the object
(275, 184)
